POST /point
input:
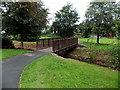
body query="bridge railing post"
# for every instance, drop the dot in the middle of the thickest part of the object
(36, 44)
(48, 42)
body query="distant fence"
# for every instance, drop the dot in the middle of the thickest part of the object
(64, 44)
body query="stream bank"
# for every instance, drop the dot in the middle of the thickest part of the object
(82, 53)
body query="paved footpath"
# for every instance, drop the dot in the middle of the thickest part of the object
(13, 67)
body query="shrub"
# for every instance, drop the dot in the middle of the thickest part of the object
(115, 57)
(7, 43)
(17, 38)
(92, 57)
(28, 38)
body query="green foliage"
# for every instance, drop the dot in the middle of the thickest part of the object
(118, 32)
(52, 72)
(29, 38)
(65, 21)
(85, 28)
(17, 37)
(100, 18)
(117, 22)
(115, 50)
(47, 30)
(24, 18)
(92, 57)
(7, 43)
(109, 50)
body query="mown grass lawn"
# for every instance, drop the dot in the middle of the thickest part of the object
(49, 36)
(52, 72)
(24, 42)
(102, 40)
(105, 43)
(6, 53)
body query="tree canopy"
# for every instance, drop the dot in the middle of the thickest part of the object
(65, 21)
(100, 16)
(26, 19)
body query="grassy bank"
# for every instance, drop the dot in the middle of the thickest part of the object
(106, 53)
(6, 53)
(52, 72)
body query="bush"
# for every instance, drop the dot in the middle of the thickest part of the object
(92, 57)
(28, 38)
(115, 50)
(7, 43)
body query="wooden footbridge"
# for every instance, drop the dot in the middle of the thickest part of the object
(59, 45)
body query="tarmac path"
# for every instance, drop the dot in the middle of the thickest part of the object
(12, 67)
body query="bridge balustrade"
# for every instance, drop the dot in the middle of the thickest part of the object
(64, 44)
(58, 44)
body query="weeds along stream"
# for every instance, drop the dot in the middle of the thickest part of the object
(93, 56)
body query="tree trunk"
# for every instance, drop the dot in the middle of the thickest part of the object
(98, 37)
(21, 42)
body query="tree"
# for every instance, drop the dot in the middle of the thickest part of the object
(101, 15)
(24, 18)
(65, 21)
(85, 27)
(117, 20)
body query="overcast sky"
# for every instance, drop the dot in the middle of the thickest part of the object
(56, 5)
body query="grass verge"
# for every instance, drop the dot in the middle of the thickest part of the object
(52, 72)
(6, 53)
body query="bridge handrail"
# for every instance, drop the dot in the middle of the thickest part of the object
(64, 43)
(57, 44)
(44, 43)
